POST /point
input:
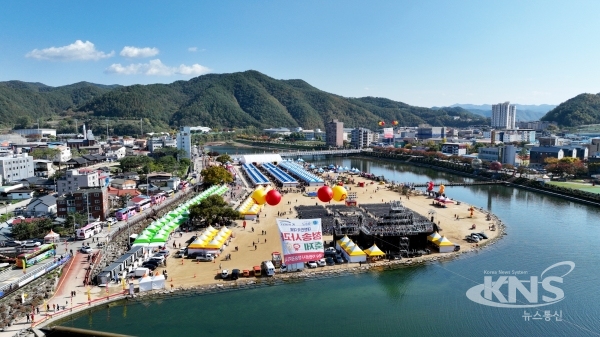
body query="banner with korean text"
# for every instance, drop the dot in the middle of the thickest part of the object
(301, 240)
(388, 133)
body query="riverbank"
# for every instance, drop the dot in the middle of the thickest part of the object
(185, 275)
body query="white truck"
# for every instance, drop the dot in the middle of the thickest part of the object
(139, 272)
(268, 269)
(292, 267)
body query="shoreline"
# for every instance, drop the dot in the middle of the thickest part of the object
(187, 283)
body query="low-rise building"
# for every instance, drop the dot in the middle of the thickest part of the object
(538, 155)
(93, 201)
(123, 184)
(75, 179)
(42, 206)
(15, 167)
(43, 168)
(457, 149)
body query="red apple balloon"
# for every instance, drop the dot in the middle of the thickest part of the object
(273, 197)
(325, 194)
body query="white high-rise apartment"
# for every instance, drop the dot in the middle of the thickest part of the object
(184, 140)
(504, 115)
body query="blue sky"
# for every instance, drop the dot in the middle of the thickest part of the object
(426, 53)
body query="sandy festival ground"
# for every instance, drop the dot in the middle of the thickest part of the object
(187, 272)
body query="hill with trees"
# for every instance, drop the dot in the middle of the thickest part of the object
(36, 100)
(580, 110)
(240, 100)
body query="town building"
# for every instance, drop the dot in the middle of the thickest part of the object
(123, 184)
(538, 155)
(42, 206)
(15, 167)
(535, 125)
(184, 141)
(457, 149)
(277, 131)
(156, 143)
(43, 168)
(334, 133)
(93, 201)
(428, 132)
(40, 133)
(361, 137)
(504, 154)
(551, 141)
(504, 115)
(75, 179)
(594, 147)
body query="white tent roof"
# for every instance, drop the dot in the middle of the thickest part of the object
(261, 158)
(51, 235)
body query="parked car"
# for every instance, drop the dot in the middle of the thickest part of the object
(164, 252)
(321, 263)
(330, 249)
(208, 257)
(11, 243)
(311, 264)
(246, 273)
(330, 253)
(329, 261)
(224, 273)
(482, 235)
(150, 264)
(473, 238)
(86, 249)
(30, 244)
(181, 253)
(158, 256)
(235, 274)
(339, 259)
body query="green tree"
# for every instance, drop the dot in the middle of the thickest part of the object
(212, 210)
(224, 158)
(216, 175)
(23, 122)
(44, 153)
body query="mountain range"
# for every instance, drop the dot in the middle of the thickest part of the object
(248, 99)
(237, 100)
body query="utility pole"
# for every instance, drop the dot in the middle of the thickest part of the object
(141, 129)
(107, 131)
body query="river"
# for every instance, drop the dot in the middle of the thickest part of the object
(416, 301)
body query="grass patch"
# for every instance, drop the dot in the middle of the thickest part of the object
(576, 186)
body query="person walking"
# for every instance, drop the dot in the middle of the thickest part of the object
(27, 317)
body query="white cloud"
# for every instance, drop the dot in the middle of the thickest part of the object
(77, 51)
(193, 49)
(132, 52)
(156, 68)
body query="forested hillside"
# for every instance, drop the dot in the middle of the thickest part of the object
(220, 100)
(580, 110)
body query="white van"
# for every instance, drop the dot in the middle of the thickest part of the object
(268, 268)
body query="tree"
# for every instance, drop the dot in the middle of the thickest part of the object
(216, 175)
(34, 229)
(224, 158)
(44, 153)
(212, 210)
(23, 122)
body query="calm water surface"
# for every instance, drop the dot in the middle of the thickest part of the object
(417, 301)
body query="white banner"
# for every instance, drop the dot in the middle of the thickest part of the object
(388, 133)
(301, 240)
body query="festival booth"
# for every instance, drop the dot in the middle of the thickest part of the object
(434, 238)
(249, 208)
(342, 242)
(152, 283)
(444, 245)
(353, 254)
(374, 252)
(210, 241)
(51, 237)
